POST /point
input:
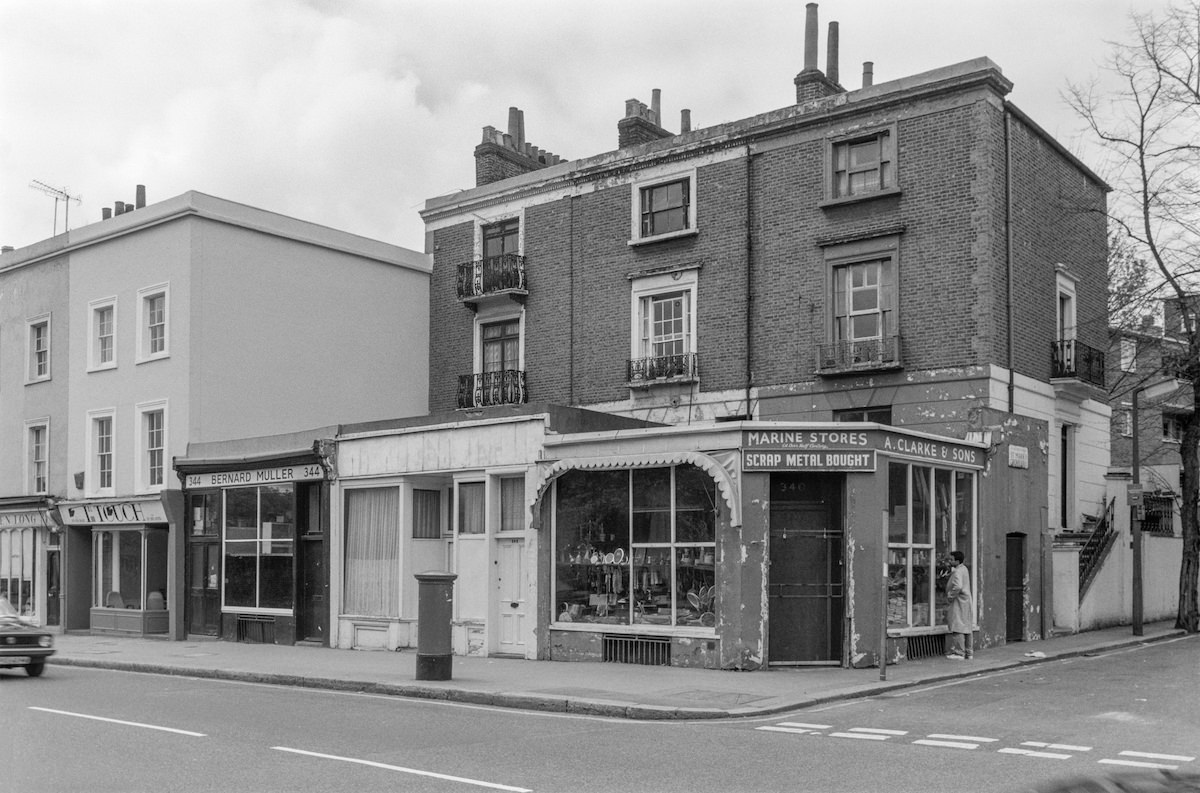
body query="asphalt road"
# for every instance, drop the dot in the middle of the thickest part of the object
(78, 729)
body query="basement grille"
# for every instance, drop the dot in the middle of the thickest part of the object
(644, 650)
(255, 629)
(929, 646)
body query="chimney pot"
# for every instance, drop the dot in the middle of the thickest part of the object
(119, 208)
(868, 74)
(831, 53)
(810, 37)
(685, 120)
(105, 213)
(140, 200)
(656, 105)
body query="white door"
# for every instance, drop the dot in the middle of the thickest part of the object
(510, 595)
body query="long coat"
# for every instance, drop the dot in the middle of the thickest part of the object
(960, 616)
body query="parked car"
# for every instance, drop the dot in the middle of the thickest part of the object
(21, 644)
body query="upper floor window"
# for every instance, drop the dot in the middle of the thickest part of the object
(1128, 355)
(100, 475)
(863, 165)
(152, 417)
(878, 415)
(663, 343)
(1065, 313)
(501, 345)
(664, 208)
(864, 301)
(152, 322)
(1172, 427)
(501, 238)
(102, 351)
(38, 457)
(38, 330)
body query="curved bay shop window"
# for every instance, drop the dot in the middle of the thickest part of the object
(636, 547)
(259, 547)
(931, 512)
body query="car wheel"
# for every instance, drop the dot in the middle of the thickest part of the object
(35, 669)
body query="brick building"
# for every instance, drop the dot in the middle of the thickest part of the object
(866, 327)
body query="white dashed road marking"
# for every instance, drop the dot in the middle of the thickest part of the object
(946, 744)
(1152, 756)
(386, 767)
(119, 721)
(862, 736)
(970, 738)
(878, 731)
(793, 730)
(806, 726)
(1147, 756)
(1032, 753)
(1062, 747)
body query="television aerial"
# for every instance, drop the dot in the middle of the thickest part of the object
(58, 194)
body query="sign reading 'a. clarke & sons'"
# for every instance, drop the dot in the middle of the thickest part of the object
(845, 450)
(258, 476)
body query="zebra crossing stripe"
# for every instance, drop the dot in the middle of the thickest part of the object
(793, 730)
(1152, 756)
(862, 736)
(806, 726)
(971, 738)
(1140, 764)
(878, 731)
(1060, 746)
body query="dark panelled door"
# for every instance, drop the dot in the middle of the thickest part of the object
(805, 583)
(1014, 588)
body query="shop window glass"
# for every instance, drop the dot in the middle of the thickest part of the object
(259, 547)
(920, 538)
(470, 508)
(130, 565)
(206, 514)
(636, 547)
(427, 514)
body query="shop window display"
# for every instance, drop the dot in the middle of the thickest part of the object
(636, 547)
(259, 553)
(931, 513)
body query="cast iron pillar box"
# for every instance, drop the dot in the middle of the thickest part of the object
(435, 610)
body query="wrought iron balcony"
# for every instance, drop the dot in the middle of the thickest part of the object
(497, 275)
(1074, 359)
(484, 389)
(859, 355)
(663, 367)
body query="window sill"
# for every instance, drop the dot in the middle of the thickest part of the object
(104, 367)
(36, 380)
(672, 235)
(856, 199)
(159, 357)
(642, 385)
(927, 630)
(635, 630)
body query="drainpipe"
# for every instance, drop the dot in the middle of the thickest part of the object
(1008, 253)
(750, 275)
(571, 302)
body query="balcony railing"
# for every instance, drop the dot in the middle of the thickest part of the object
(495, 275)
(484, 389)
(1073, 358)
(662, 367)
(859, 355)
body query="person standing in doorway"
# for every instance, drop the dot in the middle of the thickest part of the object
(960, 614)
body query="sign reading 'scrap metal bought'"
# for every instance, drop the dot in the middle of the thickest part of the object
(808, 461)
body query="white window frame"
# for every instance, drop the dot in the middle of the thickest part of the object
(95, 308)
(635, 206)
(142, 466)
(482, 221)
(144, 296)
(1065, 307)
(92, 486)
(31, 461)
(644, 288)
(32, 375)
(1128, 355)
(492, 315)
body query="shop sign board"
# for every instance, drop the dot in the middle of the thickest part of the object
(808, 461)
(113, 512)
(258, 476)
(25, 519)
(838, 446)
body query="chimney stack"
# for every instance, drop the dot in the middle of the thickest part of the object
(502, 155)
(140, 201)
(685, 121)
(868, 74)
(831, 53)
(810, 37)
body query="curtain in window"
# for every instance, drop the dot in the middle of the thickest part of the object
(470, 508)
(372, 552)
(512, 507)
(427, 514)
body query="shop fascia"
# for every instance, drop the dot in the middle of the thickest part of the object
(842, 449)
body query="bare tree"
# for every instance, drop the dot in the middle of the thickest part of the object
(1148, 120)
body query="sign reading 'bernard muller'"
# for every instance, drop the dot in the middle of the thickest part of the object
(846, 450)
(258, 476)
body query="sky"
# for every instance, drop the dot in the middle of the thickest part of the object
(352, 113)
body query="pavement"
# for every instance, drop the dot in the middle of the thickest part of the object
(604, 689)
